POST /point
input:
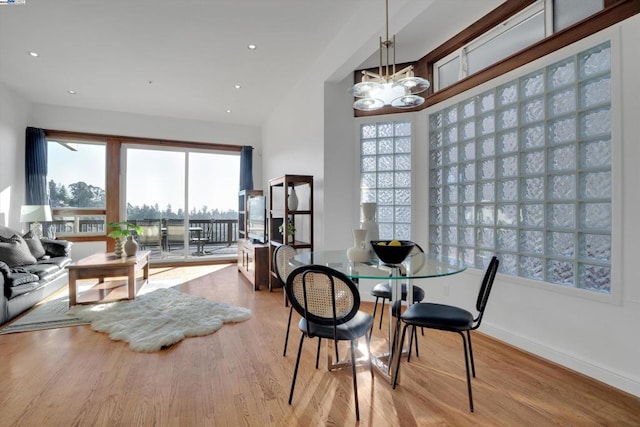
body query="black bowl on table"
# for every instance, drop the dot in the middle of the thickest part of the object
(393, 254)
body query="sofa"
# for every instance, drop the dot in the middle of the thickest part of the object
(31, 269)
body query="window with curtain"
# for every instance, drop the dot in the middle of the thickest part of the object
(524, 171)
(385, 175)
(77, 186)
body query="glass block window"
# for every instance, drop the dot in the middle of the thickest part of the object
(385, 175)
(523, 171)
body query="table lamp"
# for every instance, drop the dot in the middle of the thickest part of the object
(34, 214)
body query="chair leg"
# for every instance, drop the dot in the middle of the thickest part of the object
(355, 382)
(466, 365)
(413, 337)
(286, 338)
(295, 370)
(368, 338)
(395, 374)
(375, 309)
(410, 344)
(473, 365)
(318, 352)
(381, 313)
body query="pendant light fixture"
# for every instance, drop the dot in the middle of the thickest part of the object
(388, 87)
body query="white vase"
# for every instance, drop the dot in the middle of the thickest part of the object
(130, 246)
(292, 201)
(359, 252)
(369, 223)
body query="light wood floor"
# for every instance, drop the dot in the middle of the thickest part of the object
(238, 377)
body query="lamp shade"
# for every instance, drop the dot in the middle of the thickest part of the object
(35, 213)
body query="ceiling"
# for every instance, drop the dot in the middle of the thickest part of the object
(182, 58)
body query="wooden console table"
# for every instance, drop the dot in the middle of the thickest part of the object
(101, 265)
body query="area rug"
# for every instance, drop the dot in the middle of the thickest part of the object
(159, 319)
(53, 313)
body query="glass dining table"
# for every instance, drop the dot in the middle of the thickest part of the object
(417, 265)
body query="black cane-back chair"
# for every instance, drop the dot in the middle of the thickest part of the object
(329, 303)
(452, 319)
(281, 257)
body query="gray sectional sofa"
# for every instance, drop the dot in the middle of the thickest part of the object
(31, 269)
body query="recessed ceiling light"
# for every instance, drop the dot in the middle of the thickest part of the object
(237, 86)
(252, 47)
(228, 111)
(71, 92)
(34, 54)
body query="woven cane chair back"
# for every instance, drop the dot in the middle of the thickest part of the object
(322, 295)
(281, 257)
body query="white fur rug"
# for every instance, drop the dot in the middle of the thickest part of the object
(159, 318)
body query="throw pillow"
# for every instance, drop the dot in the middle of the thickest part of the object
(56, 248)
(35, 245)
(7, 232)
(15, 252)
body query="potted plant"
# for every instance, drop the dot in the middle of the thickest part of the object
(120, 230)
(291, 229)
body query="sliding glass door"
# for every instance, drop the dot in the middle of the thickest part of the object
(188, 197)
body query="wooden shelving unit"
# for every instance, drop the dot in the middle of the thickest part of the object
(279, 213)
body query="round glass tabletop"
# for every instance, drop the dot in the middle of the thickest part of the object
(415, 266)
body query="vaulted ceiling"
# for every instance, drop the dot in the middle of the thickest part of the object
(183, 58)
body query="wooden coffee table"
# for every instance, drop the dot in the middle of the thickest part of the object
(101, 265)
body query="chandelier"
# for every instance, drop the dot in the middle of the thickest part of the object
(388, 87)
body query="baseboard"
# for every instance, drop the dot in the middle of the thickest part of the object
(610, 377)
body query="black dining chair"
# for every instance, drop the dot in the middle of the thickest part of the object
(281, 257)
(382, 291)
(452, 319)
(329, 303)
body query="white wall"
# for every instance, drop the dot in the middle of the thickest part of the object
(296, 140)
(14, 112)
(341, 168)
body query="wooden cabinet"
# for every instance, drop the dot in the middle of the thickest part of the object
(253, 262)
(300, 236)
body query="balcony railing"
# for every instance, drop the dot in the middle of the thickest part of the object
(217, 231)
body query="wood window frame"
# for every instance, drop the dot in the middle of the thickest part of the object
(114, 144)
(613, 12)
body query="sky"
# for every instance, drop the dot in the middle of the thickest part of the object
(155, 176)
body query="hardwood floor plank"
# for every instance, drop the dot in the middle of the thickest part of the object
(238, 377)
